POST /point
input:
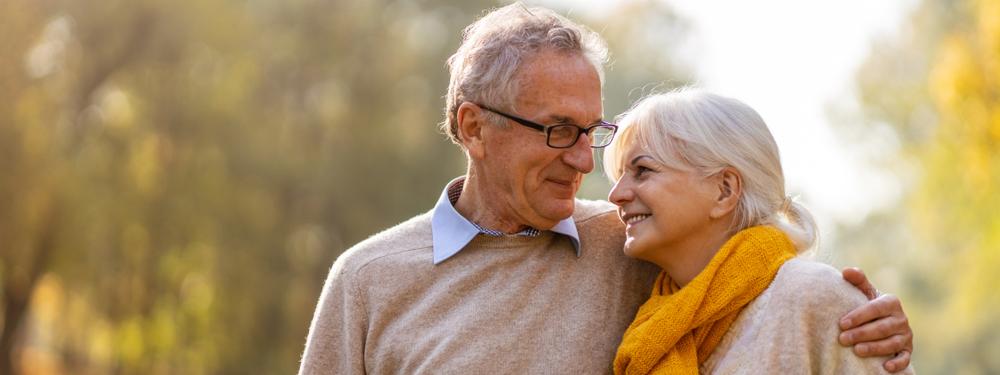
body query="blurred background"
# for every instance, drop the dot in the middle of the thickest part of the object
(176, 177)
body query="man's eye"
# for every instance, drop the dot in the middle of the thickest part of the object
(563, 131)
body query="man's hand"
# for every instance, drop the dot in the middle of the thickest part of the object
(878, 328)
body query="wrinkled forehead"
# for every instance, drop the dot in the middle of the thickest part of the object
(559, 84)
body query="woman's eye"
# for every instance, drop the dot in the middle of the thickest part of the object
(640, 170)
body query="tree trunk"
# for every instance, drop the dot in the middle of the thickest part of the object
(15, 303)
(17, 296)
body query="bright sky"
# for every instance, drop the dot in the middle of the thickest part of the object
(790, 60)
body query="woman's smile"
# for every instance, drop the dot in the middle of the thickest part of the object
(633, 219)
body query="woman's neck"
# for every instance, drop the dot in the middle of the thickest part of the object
(687, 258)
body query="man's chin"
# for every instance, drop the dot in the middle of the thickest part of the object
(559, 209)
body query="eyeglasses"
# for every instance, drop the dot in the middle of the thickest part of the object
(566, 135)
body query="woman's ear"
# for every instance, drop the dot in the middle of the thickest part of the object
(730, 186)
(471, 120)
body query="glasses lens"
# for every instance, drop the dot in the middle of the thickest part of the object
(563, 135)
(602, 135)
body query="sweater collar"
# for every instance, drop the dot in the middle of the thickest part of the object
(451, 231)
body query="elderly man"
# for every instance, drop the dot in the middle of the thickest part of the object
(509, 272)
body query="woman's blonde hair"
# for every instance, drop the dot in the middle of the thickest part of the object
(694, 130)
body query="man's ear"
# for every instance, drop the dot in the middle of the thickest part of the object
(730, 189)
(471, 121)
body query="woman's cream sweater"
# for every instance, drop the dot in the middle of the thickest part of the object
(791, 328)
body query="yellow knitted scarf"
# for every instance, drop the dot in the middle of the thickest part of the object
(674, 332)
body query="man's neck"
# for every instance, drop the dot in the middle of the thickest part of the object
(474, 205)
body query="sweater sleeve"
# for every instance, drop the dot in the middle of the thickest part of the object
(813, 298)
(336, 342)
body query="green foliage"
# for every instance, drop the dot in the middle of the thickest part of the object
(938, 86)
(178, 176)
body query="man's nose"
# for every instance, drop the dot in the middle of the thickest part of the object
(580, 156)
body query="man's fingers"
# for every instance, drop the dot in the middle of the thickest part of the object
(889, 346)
(857, 277)
(882, 306)
(874, 330)
(898, 363)
(877, 328)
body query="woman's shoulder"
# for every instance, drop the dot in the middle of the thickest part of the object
(792, 326)
(818, 287)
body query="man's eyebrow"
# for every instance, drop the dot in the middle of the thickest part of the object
(637, 158)
(557, 119)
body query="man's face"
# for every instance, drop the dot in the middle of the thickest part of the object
(536, 184)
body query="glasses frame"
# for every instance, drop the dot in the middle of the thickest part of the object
(547, 129)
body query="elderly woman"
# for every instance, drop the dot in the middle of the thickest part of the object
(699, 184)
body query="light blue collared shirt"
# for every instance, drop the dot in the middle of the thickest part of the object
(451, 231)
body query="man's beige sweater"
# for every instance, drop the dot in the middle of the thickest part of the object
(513, 305)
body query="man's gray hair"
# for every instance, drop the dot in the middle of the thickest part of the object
(494, 47)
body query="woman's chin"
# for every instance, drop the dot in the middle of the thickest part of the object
(634, 249)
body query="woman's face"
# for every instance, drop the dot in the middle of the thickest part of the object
(664, 209)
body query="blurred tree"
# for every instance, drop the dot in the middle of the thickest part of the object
(937, 86)
(178, 176)
(643, 37)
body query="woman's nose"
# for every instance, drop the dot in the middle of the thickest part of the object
(621, 193)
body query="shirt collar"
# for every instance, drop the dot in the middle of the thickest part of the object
(451, 231)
